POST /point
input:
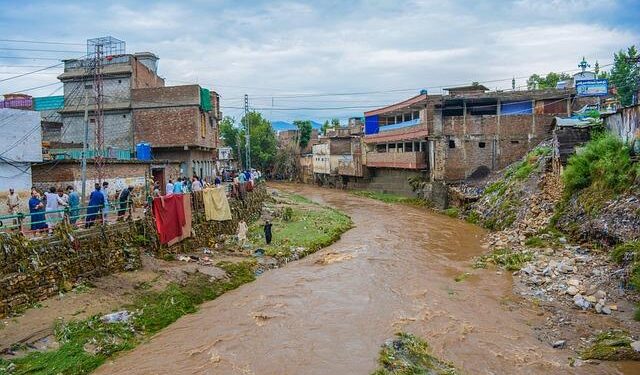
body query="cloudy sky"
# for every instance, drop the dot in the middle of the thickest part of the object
(321, 59)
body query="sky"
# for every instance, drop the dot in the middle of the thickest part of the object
(321, 59)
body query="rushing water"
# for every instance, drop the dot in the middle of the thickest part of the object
(330, 312)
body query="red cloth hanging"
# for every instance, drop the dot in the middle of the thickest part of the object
(168, 212)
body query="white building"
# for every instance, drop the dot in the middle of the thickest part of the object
(20, 145)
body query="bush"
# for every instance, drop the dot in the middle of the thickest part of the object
(453, 212)
(604, 162)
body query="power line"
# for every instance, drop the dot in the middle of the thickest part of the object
(38, 50)
(29, 58)
(32, 72)
(40, 42)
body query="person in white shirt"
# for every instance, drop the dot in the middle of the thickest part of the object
(53, 204)
(169, 187)
(196, 185)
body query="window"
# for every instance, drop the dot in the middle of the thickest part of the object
(408, 147)
(124, 116)
(416, 115)
(88, 87)
(203, 125)
(515, 142)
(482, 144)
(381, 148)
(119, 81)
(452, 143)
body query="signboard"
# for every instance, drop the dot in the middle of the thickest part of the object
(224, 153)
(592, 87)
(16, 103)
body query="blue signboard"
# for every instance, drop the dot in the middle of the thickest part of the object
(592, 87)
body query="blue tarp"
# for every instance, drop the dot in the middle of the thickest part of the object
(371, 124)
(516, 108)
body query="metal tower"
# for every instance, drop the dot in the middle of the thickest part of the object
(247, 147)
(100, 51)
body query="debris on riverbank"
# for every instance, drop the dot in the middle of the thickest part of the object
(407, 354)
(558, 252)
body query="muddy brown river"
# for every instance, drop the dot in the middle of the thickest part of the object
(330, 312)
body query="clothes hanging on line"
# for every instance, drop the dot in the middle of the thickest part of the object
(216, 204)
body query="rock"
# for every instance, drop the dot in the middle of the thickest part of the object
(559, 344)
(598, 308)
(564, 268)
(572, 290)
(613, 307)
(528, 270)
(582, 303)
(636, 345)
(562, 240)
(606, 310)
(574, 282)
(591, 299)
(601, 294)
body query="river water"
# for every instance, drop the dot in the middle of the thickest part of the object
(330, 312)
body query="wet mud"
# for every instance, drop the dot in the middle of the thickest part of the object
(330, 312)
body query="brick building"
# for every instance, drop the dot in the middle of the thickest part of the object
(337, 157)
(463, 135)
(181, 124)
(121, 75)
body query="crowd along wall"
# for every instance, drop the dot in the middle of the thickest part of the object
(32, 270)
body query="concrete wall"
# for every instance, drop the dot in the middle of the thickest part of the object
(21, 140)
(626, 125)
(118, 130)
(15, 176)
(116, 91)
(391, 180)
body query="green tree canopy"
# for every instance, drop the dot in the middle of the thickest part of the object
(625, 74)
(549, 81)
(230, 133)
(263, 140)
(304, 131)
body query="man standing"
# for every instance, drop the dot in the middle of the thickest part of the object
(13, 204)
(105, 193)
(52, 205)
(96, 201)
(125, 202)
(169, 188)
(74, 204)
(267, 231)
(177, 187)
(196, 185)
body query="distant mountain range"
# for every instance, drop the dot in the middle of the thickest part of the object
(283, 125)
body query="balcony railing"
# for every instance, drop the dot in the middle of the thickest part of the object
(404, 160)
(76, 153)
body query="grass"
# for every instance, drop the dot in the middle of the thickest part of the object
(628, 253)
(534, 241)
(461, 277)
(390, 197)
(453, 212)
(86, 344)
(614, 345)
(306, 225)
(409, 355)
(505, 258)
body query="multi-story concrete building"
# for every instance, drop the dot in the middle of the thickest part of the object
(20, 146)
(463, 135)
(337, 159)
(120, 75)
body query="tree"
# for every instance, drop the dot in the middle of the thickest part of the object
(550, 81)
(625, 74)
(304, 132)
(263, 140)
(335, 122)
(230, 133)
(286, 163)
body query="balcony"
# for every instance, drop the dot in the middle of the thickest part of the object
(404, 160)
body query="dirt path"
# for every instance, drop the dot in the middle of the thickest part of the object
(330, 312)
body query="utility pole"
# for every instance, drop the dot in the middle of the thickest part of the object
(84, 144)
(247, 150)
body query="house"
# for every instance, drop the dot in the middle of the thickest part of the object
(459, 136)
(20, 146)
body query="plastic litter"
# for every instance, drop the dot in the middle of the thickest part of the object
(120, 316)
(258, 252)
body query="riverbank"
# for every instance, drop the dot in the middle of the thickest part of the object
(157, 295)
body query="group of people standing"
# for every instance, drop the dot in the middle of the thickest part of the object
(48, 208)
(184, 185)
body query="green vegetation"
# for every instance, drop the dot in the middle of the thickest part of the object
(304, 132)
(505, 258)
(390, 198)
(263, 138)
(86, 344)
(549, 81)
(600, 171)
(625, 74)
(612, 345)
(461, 277)
(410, 355)
(310, 226)
(473, 217)
(629, 253)
(453, 212)
(534, 242)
